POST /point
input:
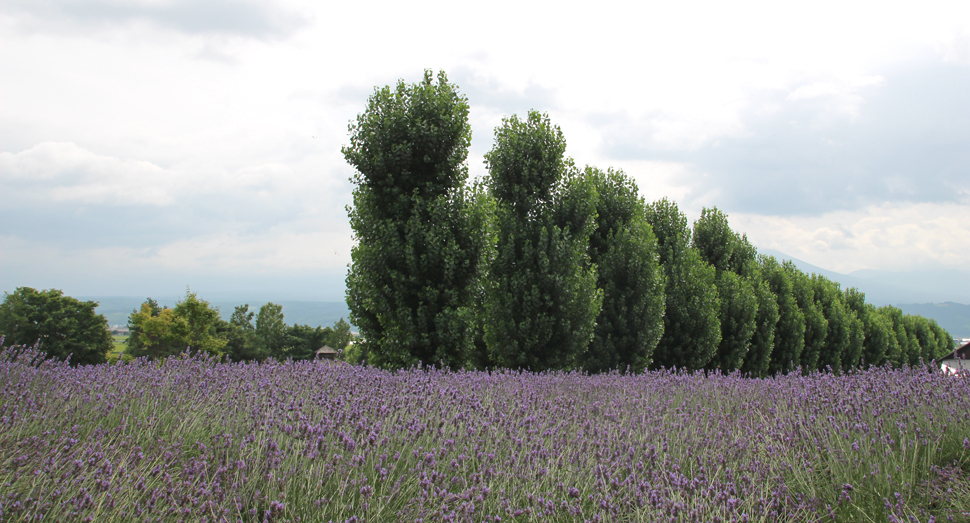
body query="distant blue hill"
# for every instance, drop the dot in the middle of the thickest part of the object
(312, 313)
(954, 317)
(938, 294)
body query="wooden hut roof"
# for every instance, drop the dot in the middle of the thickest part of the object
(962, 353)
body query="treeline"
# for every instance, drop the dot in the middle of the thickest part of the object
(63, 327)
(545, 265)
(158, 332)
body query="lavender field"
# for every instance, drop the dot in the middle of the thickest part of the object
(190, 439)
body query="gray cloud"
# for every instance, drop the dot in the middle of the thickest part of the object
(482, 93)
(485, 93)
(246, 18)
(81, 225)
(907, 140)
(59, 192)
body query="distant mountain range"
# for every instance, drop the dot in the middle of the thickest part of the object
(938, 294)
(954, 317)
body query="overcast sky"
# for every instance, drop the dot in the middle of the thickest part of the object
(146, 145)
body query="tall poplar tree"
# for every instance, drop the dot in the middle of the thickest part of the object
(928, 340)
(758, 360)
(829, 299)
(816, 326)
(898, 350)
(876, 329)
(624, 249)
(692, 330)
(790, 329)
(418, 240)
(737, 316)
(892, 340)
(944, 341)
(726, 251)
(542, 300)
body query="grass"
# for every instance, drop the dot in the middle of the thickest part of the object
(119, 343)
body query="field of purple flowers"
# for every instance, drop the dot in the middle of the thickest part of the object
(191, 439)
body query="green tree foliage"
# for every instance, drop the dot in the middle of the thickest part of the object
(733, 259)
(544, 267)
(893, 349)
(720, 246)
(483, 206)
(928, 341)
(191, 325)
(744, 259)
(64, 326)
(737, 314)
(155, 333)
(670, 228)
(913, 349)
(758, 360)
(542, 301)
(853, 302)
(880, 342)
(624, 249)
(200, 318)
(816, 326)
(789, 339)
(242, 317)
(876, 328)
(829, 298)
(304, 341)
(134, 343)
(714, 239)
(852, 356)
(340, 335)
(419, 242)
(897, 347)
(925, 339)
(944, 341)
(271, 330)
(692, 330)
(905, 328)
(242, 344)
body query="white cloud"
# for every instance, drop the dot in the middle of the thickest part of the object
(64, 172)
(954, 45)
(896, 236)
(840, 99)
(246, 18)
(77, 199)
(275, 251)
(306, 267)
(206, 134)
(67, 173)
(656, 180)
(827, 146)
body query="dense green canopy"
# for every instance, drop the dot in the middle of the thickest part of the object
(63, 326)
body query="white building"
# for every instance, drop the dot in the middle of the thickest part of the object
(957, 362)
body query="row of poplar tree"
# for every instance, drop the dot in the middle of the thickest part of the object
(543, 265)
